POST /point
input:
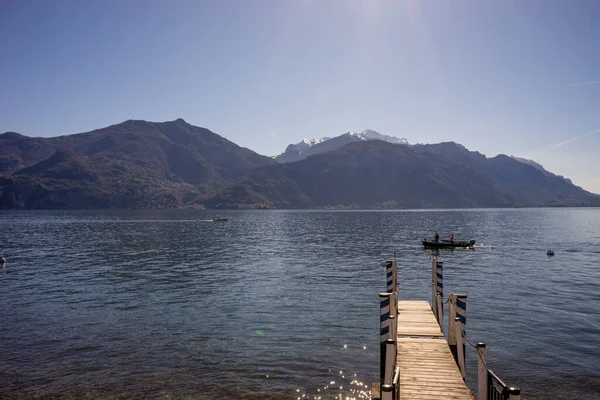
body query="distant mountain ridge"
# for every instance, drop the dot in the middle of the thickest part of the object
(538, 167)
(141, 164)
(375, 174)
(308, 147)
(134, 164)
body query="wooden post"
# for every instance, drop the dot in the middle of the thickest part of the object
(396, 284)
(390, 276)
(440, 311)
(434, 286)
(437, 288)
(461, 314)
(451, 331)
(384, 316)
(482, 375)
(387, 392)
(459, 346)
(393, 327)
(381, 364)
(440, 293)
(396, 383)
(388, 367)
(384, 332)
(390, 361)
(457, 309)
(514, 393)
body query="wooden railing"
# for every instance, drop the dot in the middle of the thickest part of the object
(489, 386)
(389, 372)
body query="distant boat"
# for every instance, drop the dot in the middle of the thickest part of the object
(220, 219)
(550, 252)
(447, 244)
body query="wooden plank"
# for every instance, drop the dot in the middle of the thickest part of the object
(415, 318)
(427, 369)
(413, 305)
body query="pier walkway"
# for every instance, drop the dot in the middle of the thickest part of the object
(418, 360)
(428, 370)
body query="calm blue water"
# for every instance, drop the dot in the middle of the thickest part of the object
(276, 304)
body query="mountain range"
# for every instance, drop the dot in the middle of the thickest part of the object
(135, 164)
(140, 164)
(376, 174)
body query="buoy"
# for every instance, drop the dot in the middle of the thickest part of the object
(550, 252)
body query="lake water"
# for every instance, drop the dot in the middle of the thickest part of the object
(277, 304)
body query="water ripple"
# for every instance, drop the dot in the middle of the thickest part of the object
(274, 304)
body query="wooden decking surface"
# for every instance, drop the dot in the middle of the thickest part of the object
(427, 369)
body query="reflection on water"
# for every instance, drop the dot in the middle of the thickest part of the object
(279, 304)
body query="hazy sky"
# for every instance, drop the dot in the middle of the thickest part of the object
(514, 77)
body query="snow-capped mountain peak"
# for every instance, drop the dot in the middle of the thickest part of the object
(307, 147)
(302, 146)
(370, 134)
(310, 142)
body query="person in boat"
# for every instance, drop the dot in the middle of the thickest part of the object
(436, 238)
(452, 237)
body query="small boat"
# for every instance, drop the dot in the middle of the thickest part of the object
(220, 219)
(447, 244)
(550, 252)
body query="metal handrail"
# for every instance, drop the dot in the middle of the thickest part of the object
(500, 382)
(493, 391)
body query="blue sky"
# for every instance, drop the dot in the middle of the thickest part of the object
(513, 77)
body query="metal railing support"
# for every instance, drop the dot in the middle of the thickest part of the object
(482, 375)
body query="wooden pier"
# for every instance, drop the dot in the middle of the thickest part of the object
(417, 361)
(428, 370)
